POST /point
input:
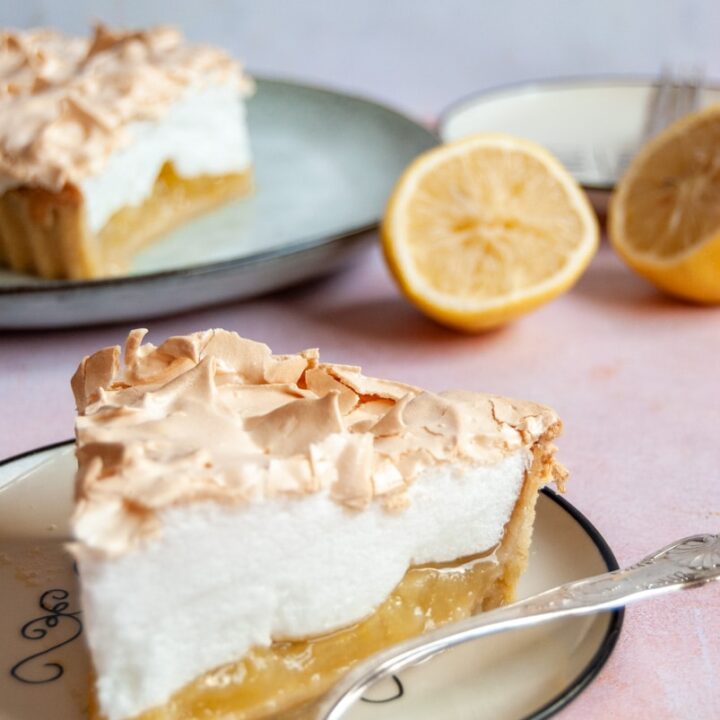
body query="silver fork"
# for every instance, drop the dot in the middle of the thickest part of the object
(673, 97)
(670, 99)
(688, 563)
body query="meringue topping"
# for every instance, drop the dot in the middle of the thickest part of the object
(213, 416)
(66, 103)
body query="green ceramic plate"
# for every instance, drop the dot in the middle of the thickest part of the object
(324, 165)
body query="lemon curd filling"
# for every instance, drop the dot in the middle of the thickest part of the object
(173, 201)
(284, 679)
(288, 674)
(45, 233)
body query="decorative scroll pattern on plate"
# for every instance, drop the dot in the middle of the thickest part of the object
(61, 625)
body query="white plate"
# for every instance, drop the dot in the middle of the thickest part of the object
(324, 164)
(526, 674)
(592, 126)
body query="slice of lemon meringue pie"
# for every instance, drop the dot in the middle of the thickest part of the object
(108, 142)
(248, 525)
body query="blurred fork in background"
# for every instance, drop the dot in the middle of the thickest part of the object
(673, 97)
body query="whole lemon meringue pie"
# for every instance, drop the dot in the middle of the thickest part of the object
(249, 525)
(109, 142)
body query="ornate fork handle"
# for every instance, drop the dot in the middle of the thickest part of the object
(688, 563)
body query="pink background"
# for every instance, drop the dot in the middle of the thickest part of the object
(635, 377)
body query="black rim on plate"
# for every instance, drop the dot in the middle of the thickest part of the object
(601, 656)
(603, 652)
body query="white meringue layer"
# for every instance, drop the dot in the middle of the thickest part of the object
(203, 133)
(222, 579)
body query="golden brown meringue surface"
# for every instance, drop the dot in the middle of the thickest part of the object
(214, 416)
(66, 102)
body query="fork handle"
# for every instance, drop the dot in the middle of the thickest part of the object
(690, 563)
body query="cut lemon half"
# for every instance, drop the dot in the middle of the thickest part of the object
(664, 216)
(487, 228)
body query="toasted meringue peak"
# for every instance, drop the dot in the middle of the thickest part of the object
(214, 416)
(66, 102)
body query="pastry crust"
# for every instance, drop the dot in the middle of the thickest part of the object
(45, 233)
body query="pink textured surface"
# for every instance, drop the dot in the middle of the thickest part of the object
(635, 377)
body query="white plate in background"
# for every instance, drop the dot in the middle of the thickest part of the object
(593, 126)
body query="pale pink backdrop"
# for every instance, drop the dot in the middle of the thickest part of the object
(635, 377)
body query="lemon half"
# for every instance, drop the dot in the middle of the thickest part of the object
(487, 228)
(664, 217)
